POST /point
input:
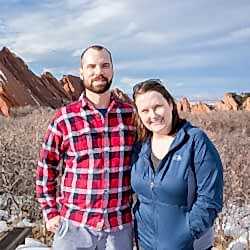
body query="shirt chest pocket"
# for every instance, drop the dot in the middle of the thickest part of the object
(121, 135)
(83, 145)
(81, 141)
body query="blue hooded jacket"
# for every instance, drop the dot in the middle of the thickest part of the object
(163, 218)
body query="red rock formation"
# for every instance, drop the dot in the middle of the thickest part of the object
(228, 102)
(73, 86)
(5, 97)
(200, 107)
(220, 105)
(246, 104)
(183, 105)
(121, 95)
(3, 107)
(20, 86)
(178, 105)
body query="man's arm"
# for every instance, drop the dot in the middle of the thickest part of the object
(48, 170)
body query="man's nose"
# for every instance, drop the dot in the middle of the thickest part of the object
(98, 70)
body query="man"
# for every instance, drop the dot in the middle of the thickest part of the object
(93, 138)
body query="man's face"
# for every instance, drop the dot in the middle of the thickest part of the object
(96, 71)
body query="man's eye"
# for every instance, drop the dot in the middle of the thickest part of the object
(106, 65)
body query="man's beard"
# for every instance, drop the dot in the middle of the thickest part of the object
(100, 89)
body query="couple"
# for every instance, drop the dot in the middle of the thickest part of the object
(176, 170)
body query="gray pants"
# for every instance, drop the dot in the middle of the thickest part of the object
(71, 237)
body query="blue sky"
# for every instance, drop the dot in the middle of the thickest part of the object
(199, 48)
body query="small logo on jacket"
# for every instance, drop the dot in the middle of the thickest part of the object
(177, 157)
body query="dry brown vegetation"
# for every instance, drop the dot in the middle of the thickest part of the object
(21, 137)
(230, 132)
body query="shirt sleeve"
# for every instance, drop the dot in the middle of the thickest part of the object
(48, 170)
(209, 178)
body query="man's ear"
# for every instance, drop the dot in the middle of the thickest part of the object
(81, 73)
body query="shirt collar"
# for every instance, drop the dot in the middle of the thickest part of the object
(114, 102)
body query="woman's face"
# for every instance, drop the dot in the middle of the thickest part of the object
(155, 112)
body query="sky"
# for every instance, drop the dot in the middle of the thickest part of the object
(200, 49)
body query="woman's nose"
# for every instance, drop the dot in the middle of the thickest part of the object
(152, 113)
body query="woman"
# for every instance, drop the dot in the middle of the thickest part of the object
(177, 175)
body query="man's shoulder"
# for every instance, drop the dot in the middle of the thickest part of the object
(127, 105)
(70, 108)
(124, 104)
(73, 107)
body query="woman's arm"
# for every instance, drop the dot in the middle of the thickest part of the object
(209, 177)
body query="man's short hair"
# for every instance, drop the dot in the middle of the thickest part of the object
(95, 47)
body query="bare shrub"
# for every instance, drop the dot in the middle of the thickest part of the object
(229, 130)
(21, 138)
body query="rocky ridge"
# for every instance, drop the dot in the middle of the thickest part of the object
(19, 87)
(230, 101)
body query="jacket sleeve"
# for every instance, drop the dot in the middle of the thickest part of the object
(48, 170)
(209, 178)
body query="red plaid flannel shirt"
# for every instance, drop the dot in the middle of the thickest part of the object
(96, 160)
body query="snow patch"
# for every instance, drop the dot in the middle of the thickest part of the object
(35, 100)
(2, 75)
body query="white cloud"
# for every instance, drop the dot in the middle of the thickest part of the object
(55, 28)
(130, 82)
(72, 25)
(237, 36)
(179, 84)
(102, 12)
(151, 37)
(127, 83)
(147, 38)
(179, 61)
